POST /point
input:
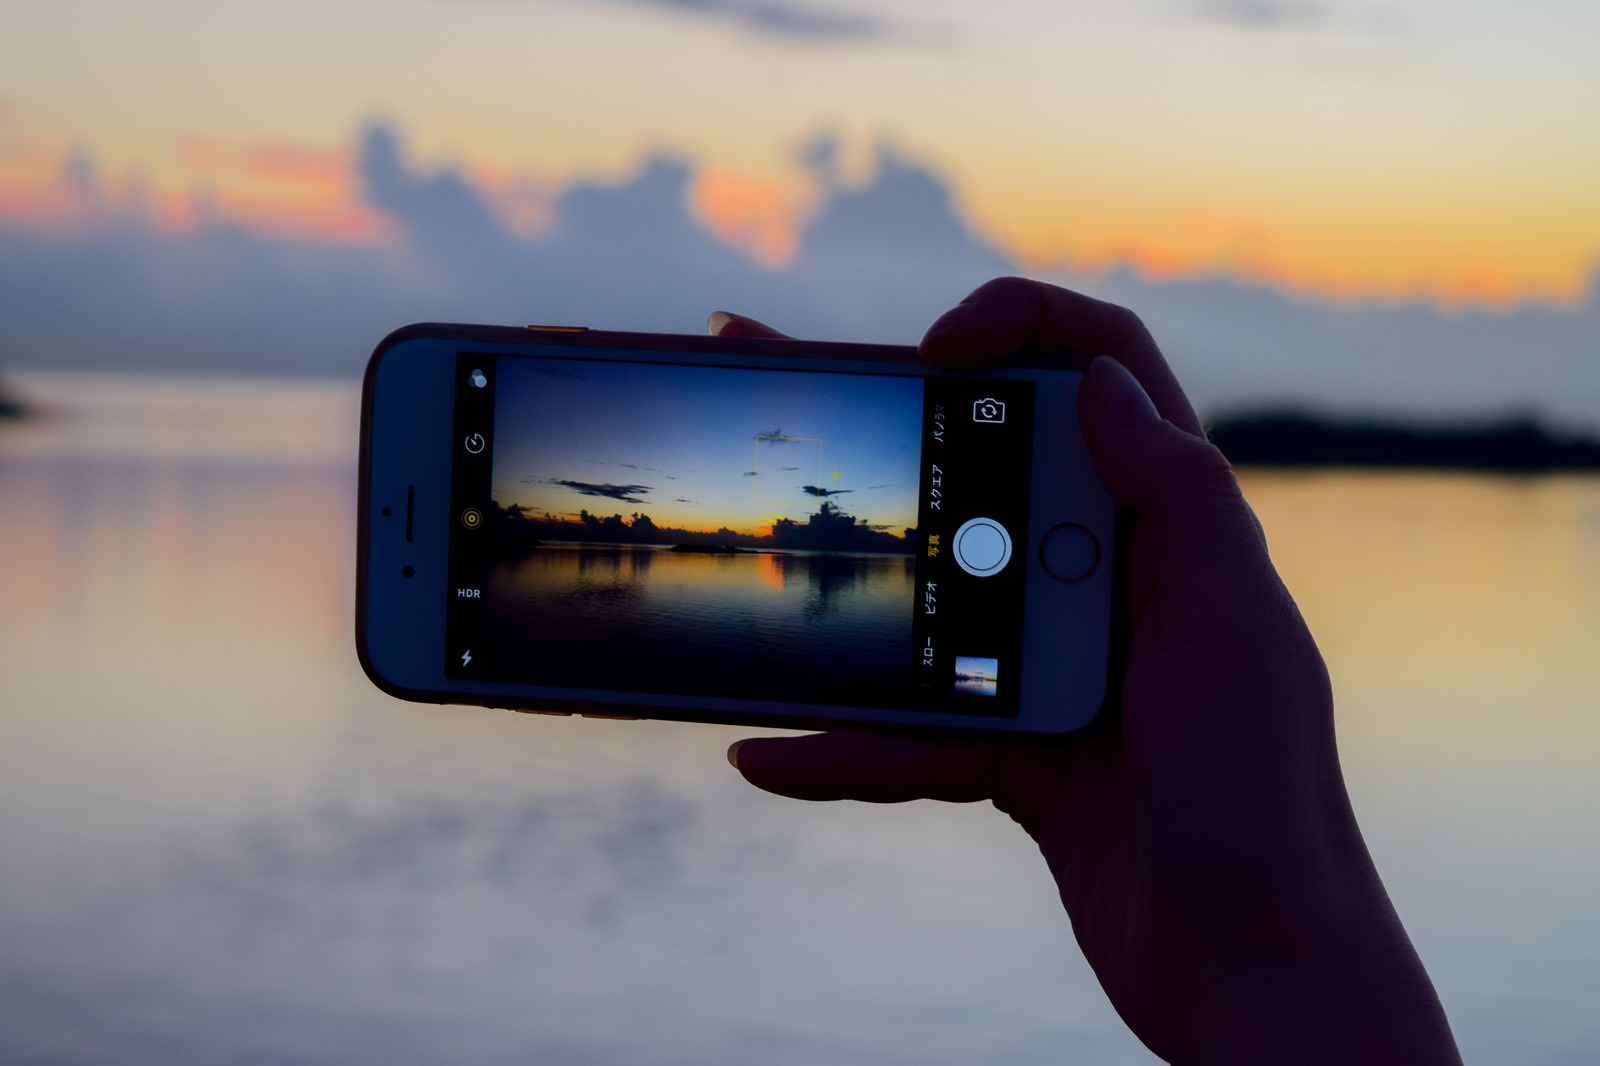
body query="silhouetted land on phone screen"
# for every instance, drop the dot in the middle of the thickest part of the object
(826, 529)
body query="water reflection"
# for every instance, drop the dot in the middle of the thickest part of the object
(221, 845)
(703, 623)
(1436, 591)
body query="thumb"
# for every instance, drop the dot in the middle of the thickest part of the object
(1178, 485)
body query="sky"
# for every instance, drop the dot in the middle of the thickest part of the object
(1389, 148)
(702, 448)
(1400, 191)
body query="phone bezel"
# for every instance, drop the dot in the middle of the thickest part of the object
(1071, 647)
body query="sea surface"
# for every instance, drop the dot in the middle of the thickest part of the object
(220, 844)
(815, 625)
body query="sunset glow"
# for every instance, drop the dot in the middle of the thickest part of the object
(704, 449)
(312, 195)
(1347, 156)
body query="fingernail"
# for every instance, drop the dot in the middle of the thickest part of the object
(733, 753)
(1119, 393)
(721, 320)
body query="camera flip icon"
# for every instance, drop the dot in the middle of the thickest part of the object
(988, 409)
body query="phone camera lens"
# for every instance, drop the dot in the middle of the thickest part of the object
(408, 570)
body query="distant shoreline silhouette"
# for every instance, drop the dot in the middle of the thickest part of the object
(826, 529)
(1300, 440)
(10, 405)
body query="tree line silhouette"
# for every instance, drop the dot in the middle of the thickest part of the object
(829, 528)
(1299, 439)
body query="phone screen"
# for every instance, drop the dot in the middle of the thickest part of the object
(830, 537)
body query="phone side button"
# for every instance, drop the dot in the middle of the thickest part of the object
(539, 328)
(1070, 552)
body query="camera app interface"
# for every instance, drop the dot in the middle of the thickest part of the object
(836, 538)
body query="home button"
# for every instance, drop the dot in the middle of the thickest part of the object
(1070, 552)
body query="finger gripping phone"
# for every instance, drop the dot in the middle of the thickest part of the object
(764, 532)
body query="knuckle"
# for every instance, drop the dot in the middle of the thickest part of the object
(1125, 327)
(1006, 288)
(1204, 464)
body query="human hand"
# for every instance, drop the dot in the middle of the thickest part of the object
(1202, 840)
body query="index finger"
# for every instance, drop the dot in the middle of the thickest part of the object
(1020, 778)
(1010, 315)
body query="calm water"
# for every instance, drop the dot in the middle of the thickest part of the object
(220, 844)
(679, 615)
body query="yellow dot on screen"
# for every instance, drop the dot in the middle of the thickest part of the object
(835, 475)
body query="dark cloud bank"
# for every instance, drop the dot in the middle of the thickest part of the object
(799, 23)
(624, 493)
(877, 263)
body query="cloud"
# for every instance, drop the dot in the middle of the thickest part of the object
(877, 248)
(816, 490)
(877, 261)
(638, 466)
(1261, 14)
(623, 493)
(785, 20)
(1378, 19)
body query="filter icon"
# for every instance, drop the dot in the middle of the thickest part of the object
(472, 518)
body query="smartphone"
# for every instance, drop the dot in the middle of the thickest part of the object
(763, 532)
